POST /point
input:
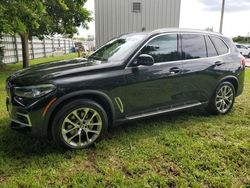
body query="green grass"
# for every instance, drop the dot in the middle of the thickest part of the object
(185, 149)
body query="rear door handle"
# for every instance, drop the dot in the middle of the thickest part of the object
(175, 70)
(218, 63)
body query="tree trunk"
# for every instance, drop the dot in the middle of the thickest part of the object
(25, 49)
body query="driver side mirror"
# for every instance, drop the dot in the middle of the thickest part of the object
(146, 60)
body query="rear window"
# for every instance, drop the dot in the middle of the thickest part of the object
(211, 51)
(193, 46)
(220, 45)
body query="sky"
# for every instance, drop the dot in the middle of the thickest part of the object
(201, 14)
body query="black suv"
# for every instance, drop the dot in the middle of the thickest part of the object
(133, 76)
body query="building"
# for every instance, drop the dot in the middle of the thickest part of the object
(115, 17)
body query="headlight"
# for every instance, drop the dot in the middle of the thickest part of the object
(34, 91)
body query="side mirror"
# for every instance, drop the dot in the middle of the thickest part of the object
(146, 60)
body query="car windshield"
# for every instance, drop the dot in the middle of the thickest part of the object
(118, 49)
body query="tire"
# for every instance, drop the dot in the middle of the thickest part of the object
(248, 55)
(222, 100)
(79, 124)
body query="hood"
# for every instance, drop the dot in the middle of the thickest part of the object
(48, 71)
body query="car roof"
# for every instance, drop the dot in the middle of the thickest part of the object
(176, 30)
(148, 34)
(183, 30)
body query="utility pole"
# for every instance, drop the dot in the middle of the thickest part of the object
(222, 15)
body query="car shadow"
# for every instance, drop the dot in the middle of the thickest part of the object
(15, 145)
(21, 152)
(159, 121)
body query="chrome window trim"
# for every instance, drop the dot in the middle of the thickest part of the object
(178, 61)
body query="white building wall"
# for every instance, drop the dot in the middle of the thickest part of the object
(115, 17)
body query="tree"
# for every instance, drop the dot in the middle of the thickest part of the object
(40, 18)
(241, 39)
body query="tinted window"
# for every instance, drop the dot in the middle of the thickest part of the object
(211, 51)
(119, 48)
(193, 46)
(162, 48)
(220, 45)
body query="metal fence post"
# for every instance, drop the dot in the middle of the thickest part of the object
(32, 48)
(69, 46)
(65, 46)
(44, 48)
(53, 47)
(16, 48)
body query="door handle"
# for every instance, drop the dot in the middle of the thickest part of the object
(175, 70)
(218, 63)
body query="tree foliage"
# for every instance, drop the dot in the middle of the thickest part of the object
(42, 17)
(241, 39)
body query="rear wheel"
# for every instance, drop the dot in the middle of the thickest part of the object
(223, 99)
(79, 124)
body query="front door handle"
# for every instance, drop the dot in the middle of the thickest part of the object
(218, 63)
(175, 70)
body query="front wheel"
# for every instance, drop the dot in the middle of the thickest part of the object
(79, 124)
(223, 99)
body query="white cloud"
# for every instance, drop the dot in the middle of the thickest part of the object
(230, 5)
(193, 15)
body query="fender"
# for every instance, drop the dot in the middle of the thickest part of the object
(74, 94)
(223, 79)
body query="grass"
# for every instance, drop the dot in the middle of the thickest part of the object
(185, 149)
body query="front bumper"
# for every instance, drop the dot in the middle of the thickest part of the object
(27, 119)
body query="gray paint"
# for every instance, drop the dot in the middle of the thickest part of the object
(115, 17)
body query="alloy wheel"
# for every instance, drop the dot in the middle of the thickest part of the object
(224, 99)
(81, 127)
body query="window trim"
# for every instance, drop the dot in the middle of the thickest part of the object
(181, 38)
(228, 48)
(131, 60)
(207, 37)
(177, 45)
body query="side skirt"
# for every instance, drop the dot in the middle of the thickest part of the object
(158, 112)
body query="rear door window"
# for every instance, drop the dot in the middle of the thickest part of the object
(220, 45)
(193, 46)
(211, 51)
